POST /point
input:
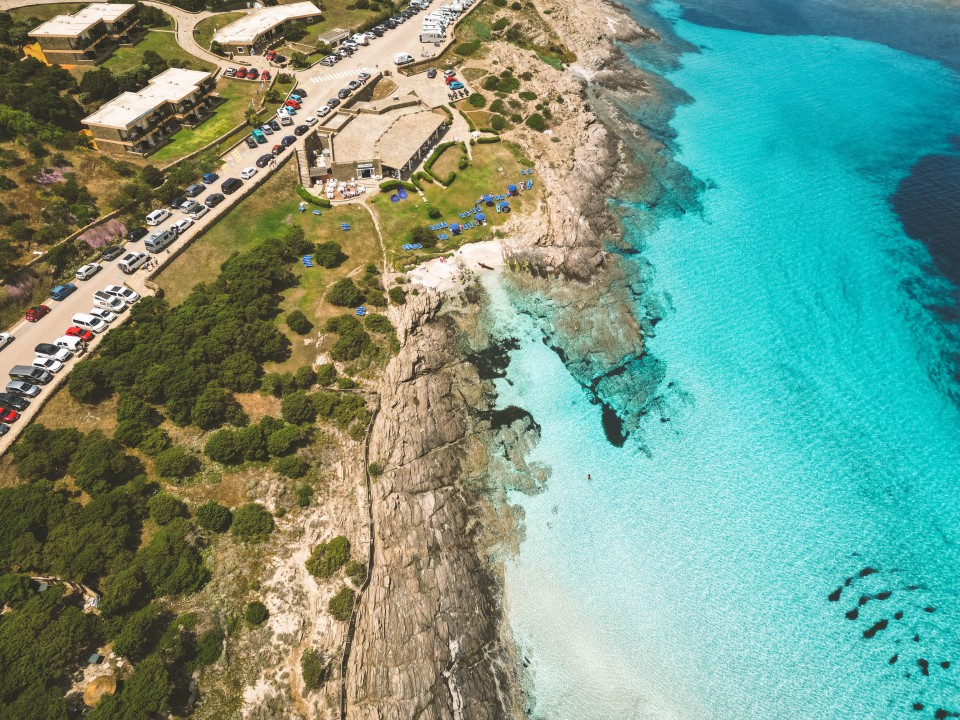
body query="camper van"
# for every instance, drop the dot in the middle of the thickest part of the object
(402, 58)
(30, 374)
(159, 240)
(432, 35)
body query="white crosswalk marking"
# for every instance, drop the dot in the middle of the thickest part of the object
(338, 75)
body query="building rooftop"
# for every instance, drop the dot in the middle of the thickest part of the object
(393, 136)
(73, 25)
(169, 86)
(406, 135)
(247, 29)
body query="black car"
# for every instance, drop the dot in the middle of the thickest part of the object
(301, 92)
(136, 234)
(14, 401)
(288, 140)
(4, 429)
(109, 253)
(332, 102)
(344, 93)
(194, 190)
(301, 130)
(177, 202)
(432, 73)
(264, 160)
(275, 125)
(213, 200)
(378, 31)
(251, 143)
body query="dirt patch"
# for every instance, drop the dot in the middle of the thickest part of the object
(383, 89)
(257, 405)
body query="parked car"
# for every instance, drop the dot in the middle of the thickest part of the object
(22, 388)
(62, 292)
(132, 261)
(253, 74)
(100, 314)
(286, 120)
(241, 72)
(111, 252)
(52, 352)
(310, 122)
(188, 206)
(343, 93)
(333, 102)
(194, 190)
(124, 293)
(269, 54)
(230, 186)
(230, 72)
(89, 321)
(209, 178)
(432, 73)
(158, 216)
(456, 85)
(12, 400)
(198, 212)
(323, 111)
(48, 364)
(136, 234)
(8, 416)
(353, 85)
(74, 331)
(299, 94)
(329, 60)
(5, 339)
(276, 150)
(251, 142)
(264, 160)
(213, 200)
(274, 124)
(85, 272)
(259, 136)
(302, 129)
(73, 344)
(248, 173)
(288, 140)
(108, 302)
(36, 312)
(265, 76)
(176, 203)
(181, 225)
(363, 77)
(266, 129)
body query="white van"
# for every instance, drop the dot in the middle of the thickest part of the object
(158, 216)
(360, 39)
(105, 301)
(402, 58)
(132, 261)
(159, 240)
(88, 322)
(73, 344)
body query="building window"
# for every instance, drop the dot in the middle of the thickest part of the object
(239, 50)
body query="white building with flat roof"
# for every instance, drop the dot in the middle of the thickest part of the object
(246, 35)
(86, 35)
(138, 122)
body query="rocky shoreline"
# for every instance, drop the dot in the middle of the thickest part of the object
(431, 638)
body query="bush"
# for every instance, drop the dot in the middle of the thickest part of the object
(488, 140)
(398, 295)
(209, 647)
(498, 123)
(326, 374)
(500, 24)
(291, 466)
(467, 48)
(298, 322)
(312, 199)
(297, 408)
(251, 522)
(387, 185)
(434, 213)
(284, 440)
(497, 106)
(490, 82)
(527, 95)
(345, 294)
(299, 60)
(223, 447)
(329, 255)
(256, 613)
(477, 100)
(304, 495)
(305, 377)
(536, 122)
(176, 462)
(376, 298)
(378, 323)
(356, 571)
(341, 604)
(313, 669)
(328, 557)
(165, 508)
(214, 517)
(375, 469)
(353, 340)
(346, 383)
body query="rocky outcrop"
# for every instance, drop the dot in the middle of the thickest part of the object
(427, 643)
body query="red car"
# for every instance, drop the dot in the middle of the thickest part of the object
(449, 79)
(76, 332)
(265, 76)
(241, 72)
(7, 415)
(270, 54)
(252, 74)
(292, 103)
(36, 312)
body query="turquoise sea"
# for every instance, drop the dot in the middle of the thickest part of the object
(786, 546)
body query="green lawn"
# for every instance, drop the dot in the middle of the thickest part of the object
(161, 42)
(45, 12)
(493, 168)
(227, 116)
(205, 29)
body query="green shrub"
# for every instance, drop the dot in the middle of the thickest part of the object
(477, 100)
(209, 647)
(397, 295)
(344, 293)
(291, 466)
(328, 557)
(353, 340)
(176, 462)
(251, 522)
(497, 124)
(375, 469)
(536, 122)
(283, 440)
(256, 613)
(376, 298)
(378, 323)
(165, 508)
(315, 672)
(312, 199)
(500, 24)
(488, 139)
(222, 447)
(298, 322)
(527, 95)
(490, 82)
(356, 571)
(388, 185)
(497, 106)
(434, 213)
(329, 255)
(326, 374)
(214, 517)
(304, 495)
(297, 408)
(341, 604)
(305, 377)
(467, 48)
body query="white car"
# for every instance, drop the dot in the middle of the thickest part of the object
(47, 364)
(199, 211)
(124, 293)
(310, 121)
(181, 225)
(104, 315)
(324, 111)
(5, 339)
(158, 216)
(88, 271)
(248, 173)
(108, 302)
(188, 206)
(50, 351)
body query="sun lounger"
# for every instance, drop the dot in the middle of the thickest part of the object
(344, 226)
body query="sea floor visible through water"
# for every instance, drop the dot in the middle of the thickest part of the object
(786, 544)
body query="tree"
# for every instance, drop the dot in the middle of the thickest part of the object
(298, 322)
(298, 59)
(100, 463)
(147, 691)
(210, 409)
(305, 377)
(165, 508)
(326, 374)
(291, 466)
(477, 100)
(41, 453)
(329, 254)
(341, 604)
(176, 462)
(314, 670)
(297, 408)
(378, 323)
(99, 84)
(423, 236)
(252, 523)
(304, 494)
(209, 647)
(536, 122)
(344, 293)
(151, 175)
(353, 340)
(123, 590)
(171, 563)
(283, 440)
(223, 447)
(256, 613)
(14, 590)
(328, 557)
(498, 122)
(140, 632)
(214, 517)
(398, 296)
(295, 31)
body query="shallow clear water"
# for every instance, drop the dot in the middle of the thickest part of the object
(811, 437)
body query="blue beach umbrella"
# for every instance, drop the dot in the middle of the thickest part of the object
(455, 228)
(512, 189)
(479, 217)
(486, 198)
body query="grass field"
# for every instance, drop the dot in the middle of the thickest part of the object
(45, 12)
(447, 162)
(238, 96)
(205, 29)
(492, 169)
(164, 43)
(262, 216)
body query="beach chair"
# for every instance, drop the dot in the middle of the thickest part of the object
(344, 226)
(418, 246)
(317, 213)
(529, 184)
(361, 311)
(308, 261)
